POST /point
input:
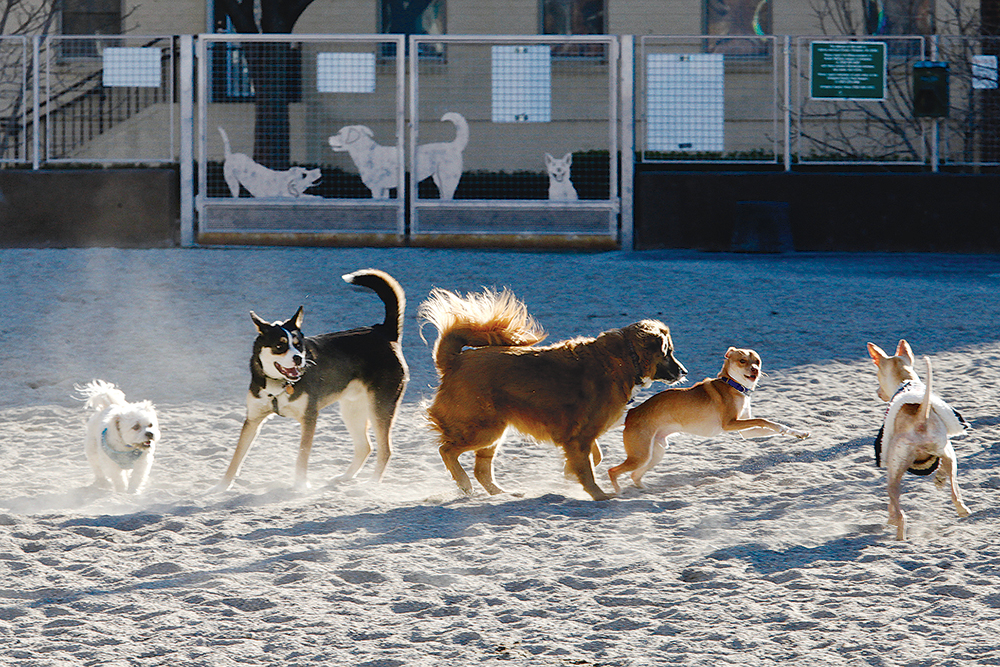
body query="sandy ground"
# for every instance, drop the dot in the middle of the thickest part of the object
(738, 552)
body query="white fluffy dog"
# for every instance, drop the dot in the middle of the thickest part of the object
(121, 437)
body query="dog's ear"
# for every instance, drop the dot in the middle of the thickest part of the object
(877, 354)
(568, 159)
(296, 320)
(904, 350)
(730, 351)
(259, 322)
(549, 158)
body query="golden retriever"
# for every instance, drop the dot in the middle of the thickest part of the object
(493, 376)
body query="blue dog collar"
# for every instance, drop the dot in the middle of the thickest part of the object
(125, 460)
(737, 386)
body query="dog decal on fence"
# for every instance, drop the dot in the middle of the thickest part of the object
(239, 169)
(378, 165)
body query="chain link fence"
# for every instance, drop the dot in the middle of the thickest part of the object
(507, 136)
(853, 100)
(970, 135)
(514, 136)
(107, 99)
(301, 135)
(16, 102)
(709, 99)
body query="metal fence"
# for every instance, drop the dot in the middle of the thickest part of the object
(970, 135)
(710, 99)
(301, 135)
(508, 135)
(514, 136)
(853, 100)
(16, 103)
(106, 99)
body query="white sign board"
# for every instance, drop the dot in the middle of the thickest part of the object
(345, 73)
(132, 67)
(686, 99)
(522, 84)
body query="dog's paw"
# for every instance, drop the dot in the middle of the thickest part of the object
(801, 435)
(221, 487)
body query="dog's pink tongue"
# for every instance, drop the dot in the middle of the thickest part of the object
(290, 373)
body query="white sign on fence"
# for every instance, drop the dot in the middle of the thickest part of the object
(345, 72)
(522, 84)
(685, 104)
(131, 67)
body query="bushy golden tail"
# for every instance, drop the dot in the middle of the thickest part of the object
(483, 319)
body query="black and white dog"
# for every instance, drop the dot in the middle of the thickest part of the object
(295, 376)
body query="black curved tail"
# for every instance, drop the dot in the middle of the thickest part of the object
(391, 293)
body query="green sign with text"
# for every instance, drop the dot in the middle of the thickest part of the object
(848, 71)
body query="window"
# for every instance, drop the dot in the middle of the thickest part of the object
(89, 17)
(232, 79)
(413, 17)
(899, 17)
(230, 76)
(736, 18)
(574, 17)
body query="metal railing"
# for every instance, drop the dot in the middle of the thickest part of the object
(105, 100)
(697, 99)
(16, 101)
(532, 125)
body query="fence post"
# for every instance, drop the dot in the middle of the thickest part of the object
(186, 91)
(786, 51)
(936, 122)
(627, 73)
(35, 115)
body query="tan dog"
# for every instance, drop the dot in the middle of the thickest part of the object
(711, 407)
(916, 429)
(568, 393)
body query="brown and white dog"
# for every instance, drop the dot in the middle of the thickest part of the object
(711, 407)
(493, 376)
(915, 434)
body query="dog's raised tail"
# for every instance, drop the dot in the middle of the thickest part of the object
(391, 293)
(461, 129)
(483, 319)
(99, 395)
(925, 405)
(225, 141)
